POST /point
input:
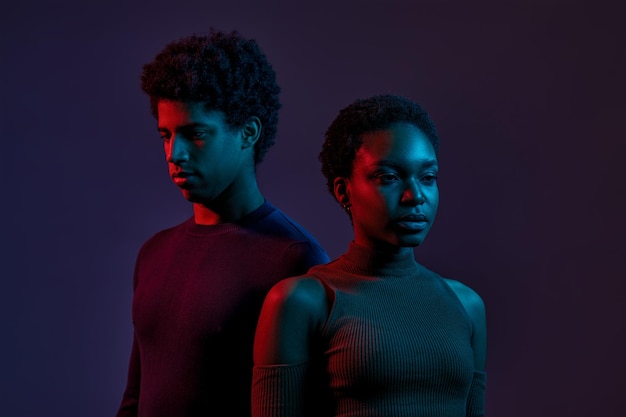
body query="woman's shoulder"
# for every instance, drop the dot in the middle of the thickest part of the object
(296, 296)
(294, 309)
(470, 299)
(300, 287)
(475, 308)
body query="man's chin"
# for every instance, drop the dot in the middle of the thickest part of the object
(190, 196)
(197, 198)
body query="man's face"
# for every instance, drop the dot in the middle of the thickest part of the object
(204, 154)
(393, 188)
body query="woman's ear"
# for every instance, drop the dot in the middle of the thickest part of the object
(251, 131)
(342, 191)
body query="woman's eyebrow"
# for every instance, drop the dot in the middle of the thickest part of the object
(424, 163)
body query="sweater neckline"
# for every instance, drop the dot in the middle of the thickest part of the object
(196, 229)
(367, 261)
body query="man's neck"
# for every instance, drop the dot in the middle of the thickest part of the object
(227, 213)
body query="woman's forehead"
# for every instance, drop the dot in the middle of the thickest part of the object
(399, 142)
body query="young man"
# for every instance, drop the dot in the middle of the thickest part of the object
(199, 286)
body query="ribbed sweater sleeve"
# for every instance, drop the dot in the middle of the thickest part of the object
(276, 390)
(476, 396)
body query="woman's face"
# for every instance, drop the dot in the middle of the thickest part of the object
(392, 193)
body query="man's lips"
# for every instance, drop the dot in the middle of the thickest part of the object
(181, 178)
(181, 174)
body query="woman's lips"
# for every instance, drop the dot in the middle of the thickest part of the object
(413, 222)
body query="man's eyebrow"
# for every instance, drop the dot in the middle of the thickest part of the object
(184, 127)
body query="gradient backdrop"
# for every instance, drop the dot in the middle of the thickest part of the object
(529, 101)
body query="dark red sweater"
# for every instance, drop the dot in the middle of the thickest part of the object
(198, 293)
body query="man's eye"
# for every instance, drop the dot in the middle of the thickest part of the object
(165, 136)
(198, 135)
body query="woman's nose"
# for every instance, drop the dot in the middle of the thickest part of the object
(412, 193)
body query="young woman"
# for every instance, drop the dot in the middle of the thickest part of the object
(374, 333)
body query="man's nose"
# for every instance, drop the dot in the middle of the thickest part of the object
(176, 150)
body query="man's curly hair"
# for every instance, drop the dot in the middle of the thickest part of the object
(225, 72)
(343, 137)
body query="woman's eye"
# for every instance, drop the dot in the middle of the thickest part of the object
(429, 178)
(387, 177)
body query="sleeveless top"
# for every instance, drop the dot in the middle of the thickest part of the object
(397, 342)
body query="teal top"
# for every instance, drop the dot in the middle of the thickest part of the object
(397, 343)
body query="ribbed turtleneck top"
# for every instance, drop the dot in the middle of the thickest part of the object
(397, 343)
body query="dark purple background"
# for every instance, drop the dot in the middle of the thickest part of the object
(529, 102)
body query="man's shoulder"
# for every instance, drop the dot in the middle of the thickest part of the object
(166, 234)
(278, 223)
(279, 227)
(171, 230)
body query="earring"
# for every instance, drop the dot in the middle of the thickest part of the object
(346, 207)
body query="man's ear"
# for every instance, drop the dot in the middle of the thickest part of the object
(341, 188)
(251, 131)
